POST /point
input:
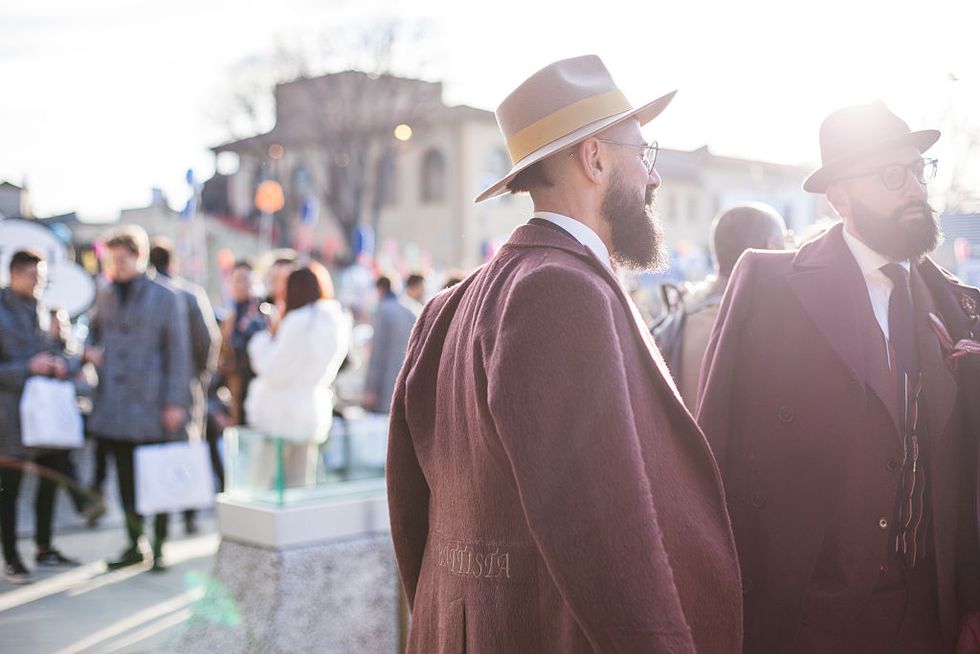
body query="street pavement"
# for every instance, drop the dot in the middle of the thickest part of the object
(88, 610)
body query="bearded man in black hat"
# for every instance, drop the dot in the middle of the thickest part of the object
(839, 394)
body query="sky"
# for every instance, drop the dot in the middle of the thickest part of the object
(103, 100)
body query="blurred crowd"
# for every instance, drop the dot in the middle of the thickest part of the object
(154, 362)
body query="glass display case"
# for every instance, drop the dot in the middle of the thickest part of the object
(267, 469)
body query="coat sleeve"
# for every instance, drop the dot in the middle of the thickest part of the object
(176, 342)
(13, 370)
(408, 491)
(718, 366)
(559, 399)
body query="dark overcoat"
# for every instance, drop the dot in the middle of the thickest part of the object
(796, 403)
(21, 337)
(548, 490)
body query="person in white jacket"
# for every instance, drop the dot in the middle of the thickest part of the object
(295, 363)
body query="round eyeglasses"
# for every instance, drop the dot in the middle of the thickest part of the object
(893, 175)
(649, 155)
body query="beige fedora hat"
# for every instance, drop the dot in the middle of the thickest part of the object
(559, 106)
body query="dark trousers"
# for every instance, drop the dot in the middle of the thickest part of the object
(213, 433)
(122, 452)
(57, 462)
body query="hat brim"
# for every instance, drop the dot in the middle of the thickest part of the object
(820, 179)
(644, 114)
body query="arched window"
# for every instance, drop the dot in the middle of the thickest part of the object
(433, 177)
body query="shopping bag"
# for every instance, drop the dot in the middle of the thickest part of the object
(173, 477)
(49, 415)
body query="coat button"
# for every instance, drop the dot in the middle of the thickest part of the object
(892, 465)
(883, 523)
(746, 585)
(758, 499)
(786, 414)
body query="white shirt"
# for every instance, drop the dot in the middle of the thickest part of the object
(879, 286)
(581, 232)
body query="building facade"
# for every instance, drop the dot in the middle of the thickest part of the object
(410, 172)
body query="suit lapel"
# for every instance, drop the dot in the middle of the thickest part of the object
(876, 362)
(938, 385)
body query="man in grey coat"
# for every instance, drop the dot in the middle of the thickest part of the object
(140, 344)
(205, 340)
(26, 351)
(393, 322)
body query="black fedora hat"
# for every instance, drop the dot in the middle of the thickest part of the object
(849, 134)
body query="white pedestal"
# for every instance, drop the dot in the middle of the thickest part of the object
(314, 577)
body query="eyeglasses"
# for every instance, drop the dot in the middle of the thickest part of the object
(893, 176)
(649, 156)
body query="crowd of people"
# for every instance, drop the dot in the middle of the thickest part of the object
(160, 365)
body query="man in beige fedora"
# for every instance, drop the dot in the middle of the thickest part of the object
(548, 490)
(843, 408)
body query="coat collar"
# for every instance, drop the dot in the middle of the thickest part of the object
(539, 236)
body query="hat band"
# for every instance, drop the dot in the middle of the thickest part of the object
(565, 121)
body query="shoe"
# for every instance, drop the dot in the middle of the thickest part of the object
(16, 573)
(158, 564)
(132, 556)
(52, 558)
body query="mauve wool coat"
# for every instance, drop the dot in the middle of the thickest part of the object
(803, 431)
(548, 491)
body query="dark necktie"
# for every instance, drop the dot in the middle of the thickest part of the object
(911, 532)
(901, 320)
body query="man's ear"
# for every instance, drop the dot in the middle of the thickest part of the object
(589, 158)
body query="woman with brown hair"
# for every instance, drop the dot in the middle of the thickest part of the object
(296, 362)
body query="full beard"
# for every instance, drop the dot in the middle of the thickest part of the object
(910, 232)
(636, 231)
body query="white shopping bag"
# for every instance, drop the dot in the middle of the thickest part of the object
(49, 415)
(173, 477)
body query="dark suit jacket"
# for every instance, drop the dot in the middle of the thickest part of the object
(548, 490)
(796, 403)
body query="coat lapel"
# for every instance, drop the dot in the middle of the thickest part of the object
(938, 385)
(832, 290)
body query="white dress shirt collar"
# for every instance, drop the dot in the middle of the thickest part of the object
(868, 260)
(877, 282)
(581, 232)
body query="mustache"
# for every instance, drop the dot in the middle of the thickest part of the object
(925, 207)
